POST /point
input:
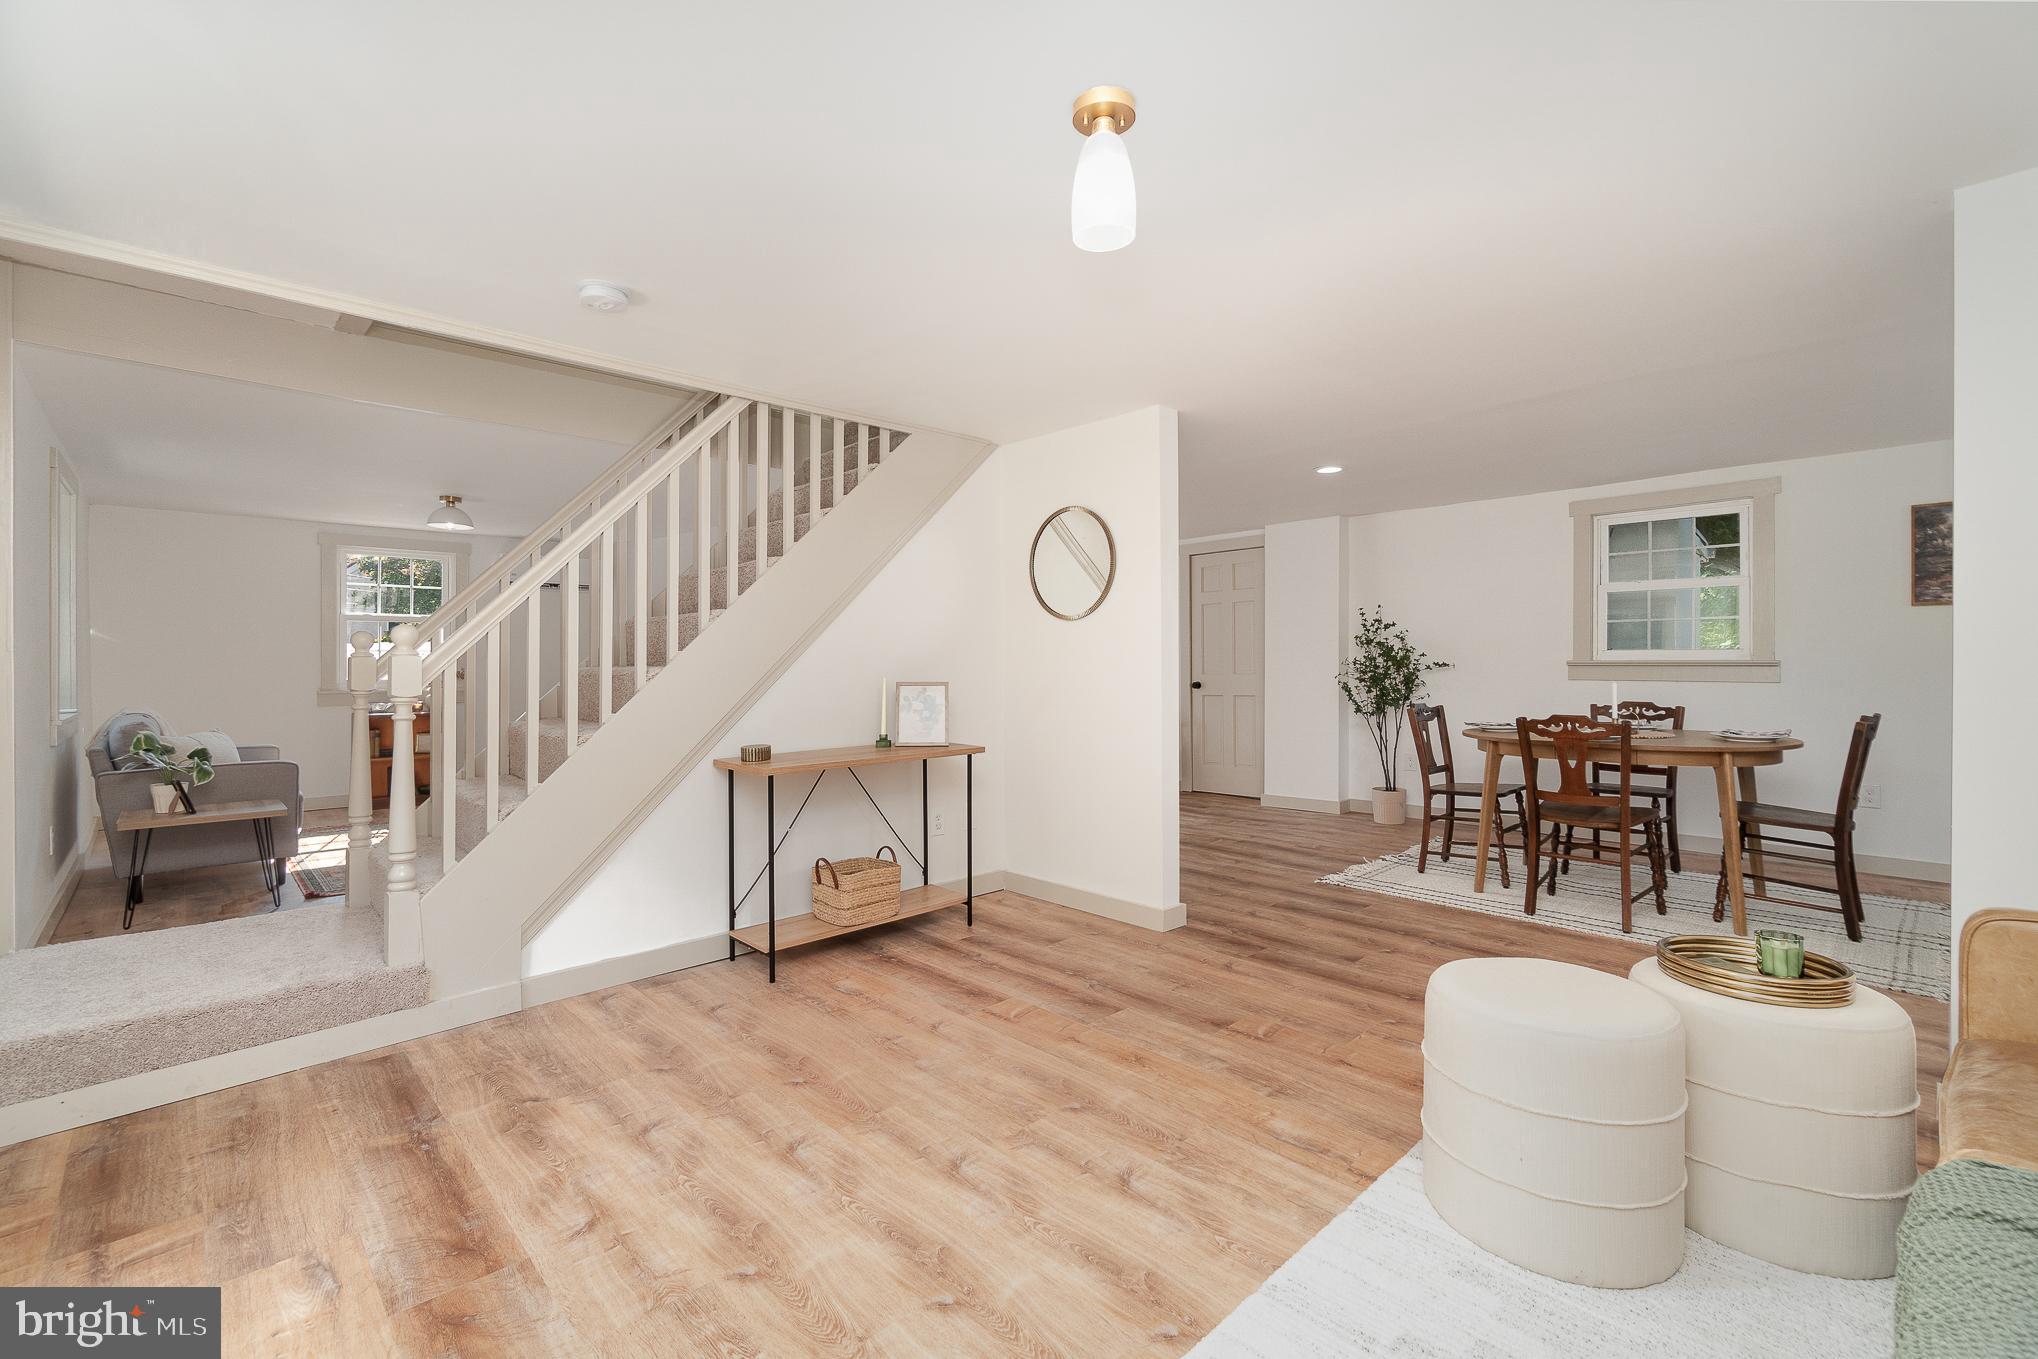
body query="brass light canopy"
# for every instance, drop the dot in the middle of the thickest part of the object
(1099, 102)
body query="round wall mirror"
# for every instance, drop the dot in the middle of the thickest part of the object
(1074, 563)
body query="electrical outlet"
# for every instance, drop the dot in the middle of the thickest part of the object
(1871, 796)
(940, 823)
(53, 842)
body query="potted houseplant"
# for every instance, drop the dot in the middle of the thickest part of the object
(1385, 674)
(172, 770)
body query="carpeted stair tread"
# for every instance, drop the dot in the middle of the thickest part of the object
(551, 754)
(99, 1009)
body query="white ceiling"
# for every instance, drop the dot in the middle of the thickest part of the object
(1460, 248)
(161, 438)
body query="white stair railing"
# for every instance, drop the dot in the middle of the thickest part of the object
(748, 457)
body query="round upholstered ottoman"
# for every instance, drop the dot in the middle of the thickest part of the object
(1553, 1118)
(1802, 1139)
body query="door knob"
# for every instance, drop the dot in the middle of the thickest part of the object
(1195, 684)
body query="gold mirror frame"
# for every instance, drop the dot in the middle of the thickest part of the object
(1033, 561)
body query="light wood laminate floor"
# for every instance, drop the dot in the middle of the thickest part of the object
(1054, 1135)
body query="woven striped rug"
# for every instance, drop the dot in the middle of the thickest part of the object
(1905, 945)
(1390, 1277)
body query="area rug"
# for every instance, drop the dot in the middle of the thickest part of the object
(327, 881)
(1905, 945)
(1389, 1277)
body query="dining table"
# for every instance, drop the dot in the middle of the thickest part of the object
(1732, 760)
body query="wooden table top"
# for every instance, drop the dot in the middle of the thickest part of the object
(208, 814)
(841, 757)
(1660, 747)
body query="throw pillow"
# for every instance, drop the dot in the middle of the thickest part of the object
(123, 727)
(216, 743)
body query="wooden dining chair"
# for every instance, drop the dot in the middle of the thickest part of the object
(1836, 826)
(1573, 804)
(1433, 758)
(1658, 783)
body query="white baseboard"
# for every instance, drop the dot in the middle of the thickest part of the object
(652, 962)
(68, 878)
(1301, 804)
(1111, 908)
(546, 987)
(148, 1089)
(1914, 870)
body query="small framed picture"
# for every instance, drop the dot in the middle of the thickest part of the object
(923, 713)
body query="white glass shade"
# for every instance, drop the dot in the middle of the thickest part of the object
(450, 517)
(1104, 209)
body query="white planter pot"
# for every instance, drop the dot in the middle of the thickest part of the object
(1389, 808)
(164, 796)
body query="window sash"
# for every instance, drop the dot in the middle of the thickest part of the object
(378, 621)
(1742, 582)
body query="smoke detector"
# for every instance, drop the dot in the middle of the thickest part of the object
(596, 295)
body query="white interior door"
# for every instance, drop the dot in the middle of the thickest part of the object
(1226, 655)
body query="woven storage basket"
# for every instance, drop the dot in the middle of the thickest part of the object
(857, 891)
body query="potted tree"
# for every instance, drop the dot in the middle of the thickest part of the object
(172, 771)
(1385, 674)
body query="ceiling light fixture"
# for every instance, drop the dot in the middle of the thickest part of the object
(1104, 208)
(1328, 471)
(596, 295)
(450, 516)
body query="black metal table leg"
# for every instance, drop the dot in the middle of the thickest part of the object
(926, 848)
(732, 861)
(272, 872)
(969, 840)
(771, 876)
(137, 864)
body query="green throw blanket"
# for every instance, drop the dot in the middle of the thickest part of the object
(1967, 1265)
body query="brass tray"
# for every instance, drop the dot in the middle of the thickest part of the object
(1725, 965)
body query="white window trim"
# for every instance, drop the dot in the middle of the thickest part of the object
(64, 477)
(1751, 567)
(331, 547)
(1755, 663)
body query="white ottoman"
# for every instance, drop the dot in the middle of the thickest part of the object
(1553, 1118)
(1802, 1140)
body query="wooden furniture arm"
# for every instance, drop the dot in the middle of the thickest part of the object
(1999, 976)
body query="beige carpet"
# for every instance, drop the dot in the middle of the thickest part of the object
(98, 1009)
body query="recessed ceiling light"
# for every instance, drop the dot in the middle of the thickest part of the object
(1328, 471)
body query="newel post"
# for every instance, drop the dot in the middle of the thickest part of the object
(360, 793)
(401, 917)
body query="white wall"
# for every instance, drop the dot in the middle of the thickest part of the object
(214, 622)
(1995, 416)
(49, 781)
(1093, 707)
(1487, 586)
(1306, 734)
(1075, 795)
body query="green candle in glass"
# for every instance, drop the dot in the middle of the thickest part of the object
(1779, 953)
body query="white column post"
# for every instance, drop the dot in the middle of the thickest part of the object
(402, 918)
(360, 793)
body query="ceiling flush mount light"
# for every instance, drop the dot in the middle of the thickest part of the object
(450, 516)
(1103, 209)
(1328, 470)
(596, 295)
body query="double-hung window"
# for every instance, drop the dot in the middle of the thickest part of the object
(380, 588)
(1673, 584)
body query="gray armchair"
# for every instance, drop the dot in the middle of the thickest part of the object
(261, 774)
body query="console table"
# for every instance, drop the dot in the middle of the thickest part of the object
(769, 938)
